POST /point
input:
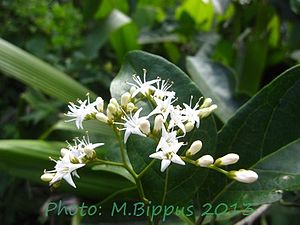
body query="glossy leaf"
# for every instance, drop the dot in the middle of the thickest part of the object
(187, 178)
(215, 81)
(265, 133)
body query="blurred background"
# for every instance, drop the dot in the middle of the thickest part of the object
(243, 46)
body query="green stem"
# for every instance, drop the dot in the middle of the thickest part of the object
(218, 169)
(146, 168)
(115, 194)
(108, 162)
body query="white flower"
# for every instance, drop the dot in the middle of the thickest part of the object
(177, 118)
(167, 138)
(162, 90)
(228, 159)
(168, 154)
(245, 176)
(143, 87)
(132, 124)
(205, 161)
(84, 109)
(192, 113)
(163, 107)
(81, 150)
(64, 169)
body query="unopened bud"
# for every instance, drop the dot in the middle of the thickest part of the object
(207, 102)
(130, 107)
(207, 111)
(228, 159)
(102, 117)
(132, 90)
(99, 104)
(244, 176)
(189, 126)
(194, 149)
(145, 126)
(158, 122)
(205, 161)
(125, 98)
(47, 177)
(64, 151)
(111, 108)
(115, 102)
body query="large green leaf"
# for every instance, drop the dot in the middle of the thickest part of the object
(28, 159)
(38, 74)
(265, 133)
(187, 178)
(215, 81)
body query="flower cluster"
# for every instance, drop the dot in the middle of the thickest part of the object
(72, 158)
(167, 123)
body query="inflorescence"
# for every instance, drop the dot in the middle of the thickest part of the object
(168, 123)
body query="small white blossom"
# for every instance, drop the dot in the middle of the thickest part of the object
(192, 113)
(132, 124)
(168, 154)
(162, 89)
(81, 111)
(64, 169)
(167, 138)
(177, 118)
(144, 87)
(163, 107)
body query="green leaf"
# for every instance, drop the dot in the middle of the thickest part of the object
(33, 72)
(115, 169)
(102, 31)
(265, 133)
(124, 40)
(29, 158)
(215, 81)
(187, 178)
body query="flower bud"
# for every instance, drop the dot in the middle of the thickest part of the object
(158, 122)
(194, 149)
(64, 151)
(205, 161)
(244, 176)
(115, 102)
(102, 117)
(111, 108)
(90, 153)
(228, 159)
(99, 104)
(207, 102)
(207, 111)
(130, 107)
(47, 177)
(125, 98)
(145, 126)
(132, 90)
(189, 126)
